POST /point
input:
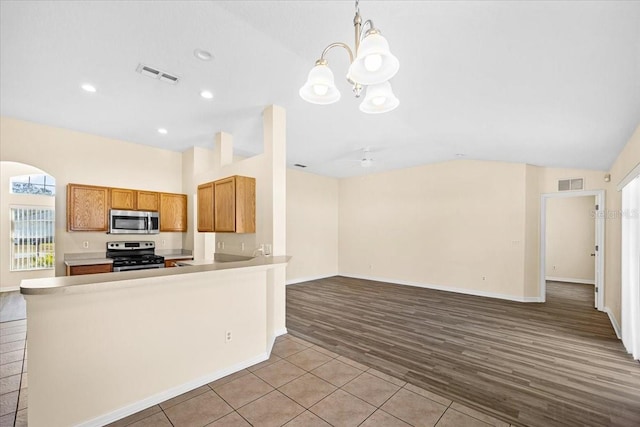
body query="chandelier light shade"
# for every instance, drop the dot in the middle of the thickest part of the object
(320, 87)
(372, 67)
(379, 99)
(375, 63)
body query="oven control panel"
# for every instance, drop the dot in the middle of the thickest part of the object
(123, 246)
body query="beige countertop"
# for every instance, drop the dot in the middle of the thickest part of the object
(95, 282)
(87, 261)
(176, 256)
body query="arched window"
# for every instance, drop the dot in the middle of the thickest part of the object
(40, 184)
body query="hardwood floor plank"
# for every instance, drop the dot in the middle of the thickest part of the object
(553, 364)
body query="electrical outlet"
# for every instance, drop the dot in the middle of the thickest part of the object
(222, 245)
(85, 244)
(242, 247)
(163, 242)
(228, 336)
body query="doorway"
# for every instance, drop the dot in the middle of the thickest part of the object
(585, 264)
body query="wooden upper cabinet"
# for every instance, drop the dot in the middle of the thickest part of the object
(122, 198)
(224, 206)
(205, 207)
(173, 212)
(147, 201)
(87, 208)
(126, 199)
(235, 205)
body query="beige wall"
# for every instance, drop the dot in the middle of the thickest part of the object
(457, 225)
(10, 280)
(312, 226)
(75, 157)
(570, 239)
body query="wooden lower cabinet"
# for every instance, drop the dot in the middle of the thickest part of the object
(89, 269)
(173, 212)
(168, 263)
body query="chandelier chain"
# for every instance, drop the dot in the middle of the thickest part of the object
(358, 6)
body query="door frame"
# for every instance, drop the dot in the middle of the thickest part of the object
(599, 224)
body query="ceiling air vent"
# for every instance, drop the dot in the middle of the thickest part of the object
(571, 184)
(299, 165)
(154, 73)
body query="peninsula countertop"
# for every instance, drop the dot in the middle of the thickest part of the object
(94, 282)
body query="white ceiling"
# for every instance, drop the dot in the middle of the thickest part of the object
(546, 83)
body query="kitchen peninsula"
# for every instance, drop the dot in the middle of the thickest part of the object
(104, 346)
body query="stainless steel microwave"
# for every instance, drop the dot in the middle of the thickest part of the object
(133, 222)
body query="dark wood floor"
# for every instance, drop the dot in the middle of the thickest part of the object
(552, 364)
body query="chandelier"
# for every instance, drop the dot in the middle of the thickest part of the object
(372, 67)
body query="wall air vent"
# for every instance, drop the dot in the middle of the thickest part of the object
(154, 73)
(571, 184)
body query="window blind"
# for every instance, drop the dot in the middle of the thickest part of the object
(32, 238)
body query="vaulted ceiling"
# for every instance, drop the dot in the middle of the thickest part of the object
(545, 83)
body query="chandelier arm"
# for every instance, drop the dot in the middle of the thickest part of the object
(363, 33)
(337, 44)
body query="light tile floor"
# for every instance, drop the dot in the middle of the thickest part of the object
(300, 385)
(13, 374)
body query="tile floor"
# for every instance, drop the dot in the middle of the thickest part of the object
(300, 385)
(13, 374)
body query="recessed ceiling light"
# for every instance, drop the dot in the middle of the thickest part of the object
(460, 155)
(203, 55)
(88, 87)
(162, 131)
(206, 94)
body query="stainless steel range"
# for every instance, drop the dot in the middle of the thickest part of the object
(134, 255)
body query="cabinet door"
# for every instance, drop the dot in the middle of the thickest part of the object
(225, 205)
(89, 269)
(245, 204)
(87, 208)
(169, 263)
(205, 207)
(123, 199)
(147, 201)
(173, 212)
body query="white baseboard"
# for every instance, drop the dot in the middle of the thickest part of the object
(613, 321)
(448, 288)
(308, 279)
(12, 289)
(171, 393)
(570, 280)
